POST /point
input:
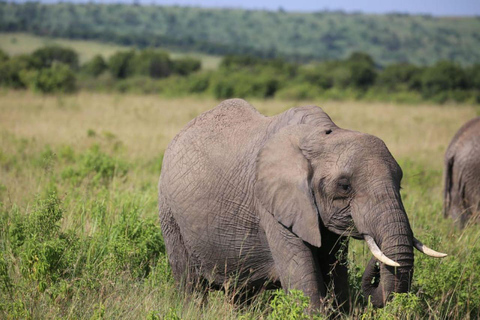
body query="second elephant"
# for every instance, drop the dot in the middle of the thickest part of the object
(462, 174)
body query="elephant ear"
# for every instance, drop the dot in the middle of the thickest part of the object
(283, 184)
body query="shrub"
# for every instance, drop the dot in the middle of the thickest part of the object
(46, 253)
(244, 84)
(58, 78)
(11, 69)
(362, 70)
(96, 66)
(400, 76)
(186, 66)
(291, 305)
(317, 75)
(301, 91)
(3, 56)
(96, 164)
(152, 63)
(135, 244)
(473, 76)
(239, 62)
(50, 55)
(198, 83)
(442, 77)
(120, 64)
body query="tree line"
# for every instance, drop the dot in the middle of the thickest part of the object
(299, 37)
(57, 69)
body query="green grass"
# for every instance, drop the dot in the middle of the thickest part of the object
(20, 43)
(79, 233)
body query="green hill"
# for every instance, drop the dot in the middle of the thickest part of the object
(297, 36)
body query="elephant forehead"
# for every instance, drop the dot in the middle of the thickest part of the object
(354, 145)
(361, 153)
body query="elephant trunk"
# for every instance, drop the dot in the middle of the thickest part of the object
(394, 237)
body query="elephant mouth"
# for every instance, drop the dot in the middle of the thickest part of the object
(344, 226)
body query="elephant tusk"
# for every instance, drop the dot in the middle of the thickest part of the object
(377, 253)
(429, 252)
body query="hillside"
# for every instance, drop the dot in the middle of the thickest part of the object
(297, 36)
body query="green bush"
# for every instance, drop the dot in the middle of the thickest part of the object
(3, 56)
(473, 76)
(134, 244)
(96, 66)
(362, 70)
(244, 84)
(301, 91)
(97, 165)
(291, 305)
(120, 64)
(400, 76)
(152, 63)
(50, 55)
(317, 75)
(11, 69)
(58, 78)
(46, 253)
(186, 66)
(442, 77)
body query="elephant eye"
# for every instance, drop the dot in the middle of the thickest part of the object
(344, 186)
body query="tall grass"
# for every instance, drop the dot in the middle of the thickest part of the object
(79, 233)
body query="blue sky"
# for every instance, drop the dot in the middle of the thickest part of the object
(433, 7)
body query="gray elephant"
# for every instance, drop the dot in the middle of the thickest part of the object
(462, 174)
(272, 201)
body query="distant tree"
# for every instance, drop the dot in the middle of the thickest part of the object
(473, 75)
(443, 76)
(185, 66)
(120, 64)
(239, 61)
(50, 54)
(361, 57)
(362, 70)
(11, 69)
(58, 78)
(404, 75)
(153, 63)
(318, 75)
(95, 66)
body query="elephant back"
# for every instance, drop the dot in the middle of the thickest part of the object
(468, 133)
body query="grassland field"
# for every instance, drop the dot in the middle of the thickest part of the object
(14, 43)
(79, 232)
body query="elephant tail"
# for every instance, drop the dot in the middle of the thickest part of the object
(447, 195)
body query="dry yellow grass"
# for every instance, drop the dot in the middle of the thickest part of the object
(145, 124)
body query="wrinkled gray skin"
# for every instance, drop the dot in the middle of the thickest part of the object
(271, 199)
(462, 174)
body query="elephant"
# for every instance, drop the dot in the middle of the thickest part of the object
(462, 174)
(272, 202)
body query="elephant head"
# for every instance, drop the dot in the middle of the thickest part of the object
(316, 173)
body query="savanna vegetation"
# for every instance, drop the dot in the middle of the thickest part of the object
(301, 37)
(79, 232)
(54, 68)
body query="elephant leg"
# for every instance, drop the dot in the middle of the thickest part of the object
(177, 253)
(295, 263)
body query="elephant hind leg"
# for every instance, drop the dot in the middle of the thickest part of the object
(178, 256)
